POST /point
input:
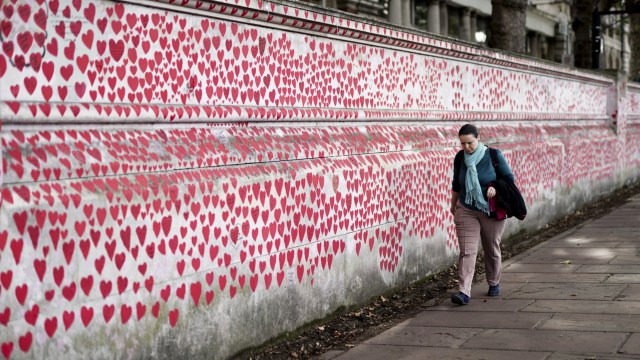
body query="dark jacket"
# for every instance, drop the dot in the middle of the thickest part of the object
(493, 166)
(509, 198)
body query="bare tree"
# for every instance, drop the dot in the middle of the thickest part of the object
(581, 24)
(582, 13)
(634, 39)
(508, 25)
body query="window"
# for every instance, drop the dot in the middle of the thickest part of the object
(420, 14)
(455, 21)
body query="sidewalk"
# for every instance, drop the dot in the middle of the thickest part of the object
(576, 296)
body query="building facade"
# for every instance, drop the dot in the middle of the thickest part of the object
(549, 25)
(615, 52)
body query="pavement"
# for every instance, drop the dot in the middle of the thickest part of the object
(573, 297)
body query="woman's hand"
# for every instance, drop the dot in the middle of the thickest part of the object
(454, 202)
(491, 192)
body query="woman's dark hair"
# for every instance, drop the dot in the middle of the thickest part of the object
(468, 129)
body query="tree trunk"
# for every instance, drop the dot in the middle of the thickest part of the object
(581, 25)
(634, 44)
(508, 25)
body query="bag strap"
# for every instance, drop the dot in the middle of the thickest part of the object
(457, 162)
(494, 160)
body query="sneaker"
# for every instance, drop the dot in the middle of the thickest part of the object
(494, 290)
(460, 298)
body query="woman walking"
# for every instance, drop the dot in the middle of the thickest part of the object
(471, 194)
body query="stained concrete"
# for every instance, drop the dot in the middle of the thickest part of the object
(424, 336)
(501, 305)
(561, 356)
(624, 279)
(561, 291)
(587, 322)
(632, 346)
(553, 268)
(583, 306)
(554, 278)
(386, 352)
(550, 340)
(632, 293)
(610, 269)
(510, 320)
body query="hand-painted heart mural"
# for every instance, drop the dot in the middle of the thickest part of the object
(23, 36)
(166, 172)
(97, 61)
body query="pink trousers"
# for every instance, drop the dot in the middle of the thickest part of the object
(474, 227)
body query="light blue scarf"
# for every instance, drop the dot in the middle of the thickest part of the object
(474, 195)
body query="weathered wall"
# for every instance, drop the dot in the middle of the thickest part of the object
(191, 180)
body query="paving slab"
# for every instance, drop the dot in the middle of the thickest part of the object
(625, 213)
(634, 245)
(626, 208)
(625, 259)
(472, 319)
(593, 235)
(480, 288)
(584, 306)
(632, 346)
(547, 340)
(536, 259)
(631, 217)
(611, 223)
(580, 243)
(623, 278)
(561, 356)
(621, 213)
(631, 293)
(552, 278)
(540, 268)
(613, 237)
(609, 269)
(486, 305)
(589, 322)
(386, 352)
(599, 231)
(579, 253)
(404, 334)
(568, 291)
